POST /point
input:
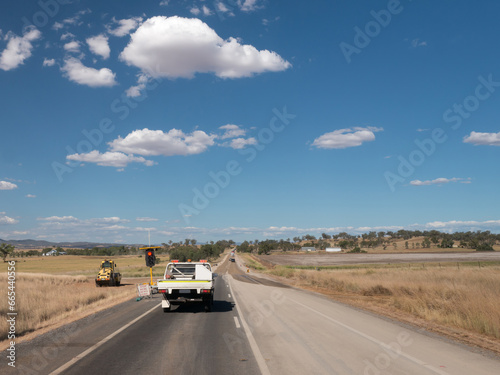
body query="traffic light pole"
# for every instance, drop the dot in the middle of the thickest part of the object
(150, 258)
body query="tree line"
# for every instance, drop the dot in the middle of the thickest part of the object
(190, 249)
(479, 240)
(183, 250)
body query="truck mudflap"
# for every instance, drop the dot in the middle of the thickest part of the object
(165, 304)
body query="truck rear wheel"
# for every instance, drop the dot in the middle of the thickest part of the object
(208, 304)
(166, 309)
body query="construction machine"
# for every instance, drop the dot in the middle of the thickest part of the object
(108, 274)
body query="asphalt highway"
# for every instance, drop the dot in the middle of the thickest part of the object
(184, 341)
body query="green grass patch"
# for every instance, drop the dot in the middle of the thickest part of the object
(252, 263)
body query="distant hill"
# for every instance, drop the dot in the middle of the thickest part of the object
(37, 244)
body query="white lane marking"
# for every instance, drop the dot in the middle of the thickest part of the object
(229, 295)
(253, 344)
(237, 322)
(103, 341)
(374, 340)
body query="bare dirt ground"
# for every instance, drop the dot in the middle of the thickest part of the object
(323, 259)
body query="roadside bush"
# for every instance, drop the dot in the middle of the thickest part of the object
(357, 250)
(484, 247)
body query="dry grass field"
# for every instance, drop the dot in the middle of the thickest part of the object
(129, 265)
(460, 300)
(44, 300)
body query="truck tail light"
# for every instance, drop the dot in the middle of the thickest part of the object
(205, 290)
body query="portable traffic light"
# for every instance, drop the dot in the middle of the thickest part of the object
(150, 258)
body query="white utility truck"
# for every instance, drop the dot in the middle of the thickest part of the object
(187, 281)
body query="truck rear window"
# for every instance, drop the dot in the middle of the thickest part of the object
(181, 269)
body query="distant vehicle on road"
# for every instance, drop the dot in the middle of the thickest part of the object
(187, 282)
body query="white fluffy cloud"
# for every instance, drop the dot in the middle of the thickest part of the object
(236, 133)
(123, 151)
(57, 26)
(483, 139)
(232, 131)
(67, 35)
(222, 8)
(59, 219)
(195, 11)
(146, 219)
(206, 11)
(181, 47)
(72, 46)
(458, 225)
(108, 220)
(18, 48)
(99, 45)
(109, 159)
(344, 138)
(135, 91)
(157, 142)
(239, 143)
(83, 75)
(440, 181)
(49, 62)
(7, 220)
(6, 185)
(73, 21)
(248, 5)
(74, 229)
(123, 27)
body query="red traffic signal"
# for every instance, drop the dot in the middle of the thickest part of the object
(150, 258)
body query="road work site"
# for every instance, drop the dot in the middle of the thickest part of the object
(257, 326)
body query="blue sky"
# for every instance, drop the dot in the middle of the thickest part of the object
(247, 119)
